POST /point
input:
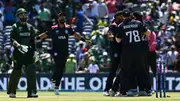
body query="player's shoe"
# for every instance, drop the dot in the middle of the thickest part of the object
(32, 95)
(150, 92)
(111, 92)
(56, 90)
(142, 93)
(11, 95)
(118, 94)
(106, 93)
(132, 92)
(52, 86)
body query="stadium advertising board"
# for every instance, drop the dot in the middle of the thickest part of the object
(82, 82)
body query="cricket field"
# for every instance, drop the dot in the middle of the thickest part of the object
(84, 96)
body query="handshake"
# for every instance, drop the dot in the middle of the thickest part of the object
(22, 48)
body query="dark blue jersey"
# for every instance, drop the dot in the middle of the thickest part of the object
(131, 32)
(60, 38)
(145, 42)
(115, 47)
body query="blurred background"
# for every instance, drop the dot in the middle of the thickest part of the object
(90, 18)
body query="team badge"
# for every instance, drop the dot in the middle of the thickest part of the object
(66, 31)
(57, 31)
(20, 28)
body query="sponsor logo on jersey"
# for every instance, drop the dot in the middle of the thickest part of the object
(24, 34)
(61, 37)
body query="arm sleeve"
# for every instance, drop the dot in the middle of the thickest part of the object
(13, 34)
(111, 29)
(50, 33)
(33, 34)
(119, 32)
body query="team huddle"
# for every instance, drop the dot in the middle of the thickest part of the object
(130, 42)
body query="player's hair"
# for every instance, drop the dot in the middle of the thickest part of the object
(61, 14)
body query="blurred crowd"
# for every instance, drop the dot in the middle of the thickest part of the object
(91, 19)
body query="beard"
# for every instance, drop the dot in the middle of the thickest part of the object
(24, 19)
(62, 21)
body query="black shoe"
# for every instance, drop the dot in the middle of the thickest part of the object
(142, 93)
(32, 95)
(12, 95)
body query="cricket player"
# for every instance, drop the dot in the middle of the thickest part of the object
(115, 51)
(22, 38)
(59, 34)
(133, 64)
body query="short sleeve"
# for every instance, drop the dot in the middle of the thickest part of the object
(71, 31)
(97, 67)
(13, 32)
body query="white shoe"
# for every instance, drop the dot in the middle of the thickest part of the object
(56, 91)
(11, 95)
(106, 93)
(118, 94)
(111, 92)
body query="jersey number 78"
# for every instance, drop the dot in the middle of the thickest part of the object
(133, 36)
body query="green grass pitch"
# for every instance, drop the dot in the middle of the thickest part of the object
(83, 96)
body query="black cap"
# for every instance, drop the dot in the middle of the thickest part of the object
(61, 14)
(126, 13)
(118, 13)
(138, 15)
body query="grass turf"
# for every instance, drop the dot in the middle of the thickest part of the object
(83, 96)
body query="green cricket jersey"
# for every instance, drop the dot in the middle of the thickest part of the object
(24, 34)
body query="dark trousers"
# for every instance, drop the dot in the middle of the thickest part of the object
(152, 61)
(146, 55)
(30, 69)
(114, 67)
(133, 67)
(60, 62)
(117, 83)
